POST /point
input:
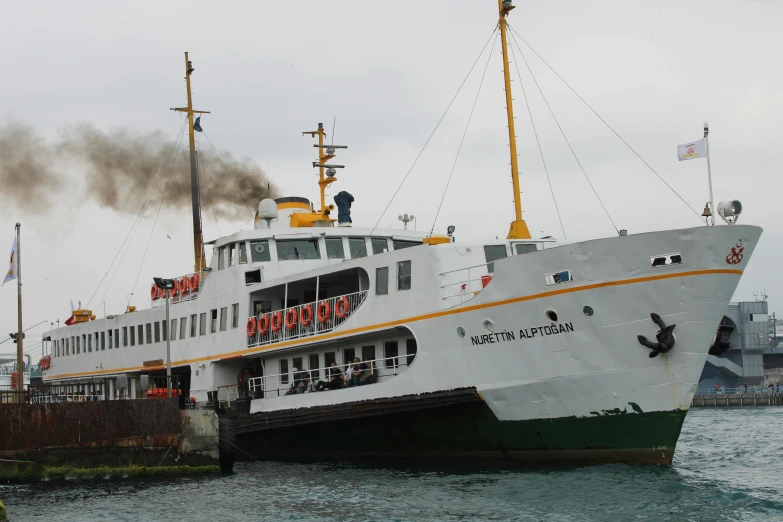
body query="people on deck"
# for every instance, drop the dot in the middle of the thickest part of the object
(367, 373)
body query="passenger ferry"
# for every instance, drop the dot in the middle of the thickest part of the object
(517, 348)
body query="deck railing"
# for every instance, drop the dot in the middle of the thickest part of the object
(185, 291)
(277, 385)
(463, 284)
(324, 315)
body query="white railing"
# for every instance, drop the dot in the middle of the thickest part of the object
(280, 384)
(226, 394)
(463, 284)
(291, 324)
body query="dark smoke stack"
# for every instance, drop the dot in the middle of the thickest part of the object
(122, 166)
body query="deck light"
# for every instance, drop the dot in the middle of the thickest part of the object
(450, 230)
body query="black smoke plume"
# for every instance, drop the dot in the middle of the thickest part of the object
(121, 167)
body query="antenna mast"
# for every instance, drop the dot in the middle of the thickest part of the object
(518, 229)
(198, 239)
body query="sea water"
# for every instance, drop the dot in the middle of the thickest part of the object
(728, 466)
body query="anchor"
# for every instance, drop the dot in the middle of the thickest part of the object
(664, 336)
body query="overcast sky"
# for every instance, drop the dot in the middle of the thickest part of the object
(654, 70)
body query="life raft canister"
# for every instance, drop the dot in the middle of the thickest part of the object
(277, 321)
(323, 312)
(290, 318)
(306, 315)
(263, 324)
(251, 327)
(342, 307)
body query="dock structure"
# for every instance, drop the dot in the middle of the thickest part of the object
(714, 400)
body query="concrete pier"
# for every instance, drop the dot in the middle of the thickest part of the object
(714, 400)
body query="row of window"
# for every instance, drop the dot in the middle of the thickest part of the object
(391, 351)
(403, 278)
(299, 249)
(151, 333)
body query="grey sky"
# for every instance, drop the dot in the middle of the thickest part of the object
(269, 70)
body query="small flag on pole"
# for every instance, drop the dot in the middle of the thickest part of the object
(13, 268)
(696, 149)
(197, 125)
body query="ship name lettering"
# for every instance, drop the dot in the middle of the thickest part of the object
(526, 333)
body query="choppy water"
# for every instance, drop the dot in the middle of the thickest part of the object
(727, 466)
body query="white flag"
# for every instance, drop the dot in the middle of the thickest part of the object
(697, 149)
(13, 266)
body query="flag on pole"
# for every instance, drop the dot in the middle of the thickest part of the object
(696, 149)
(13, 268)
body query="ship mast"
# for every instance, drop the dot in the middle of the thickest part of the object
(518, 229)
(198, 240)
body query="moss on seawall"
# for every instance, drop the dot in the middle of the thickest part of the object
(41, 473)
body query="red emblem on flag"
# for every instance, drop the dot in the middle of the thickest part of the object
(690, 150)
(736, 254)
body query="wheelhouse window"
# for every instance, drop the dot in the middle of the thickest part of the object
(259, 251)
(493, 253)
(221, 258)
(334, 248)
(358, 247)
(379, 245)
(399, 244)
(242, 252)
(382, 280)
(522, 248)
(297, 249)
(404, 275)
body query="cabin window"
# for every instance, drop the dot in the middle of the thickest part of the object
(116, 337)
(259, 251)
(223, 318)
(242, 252)
(390, 353)
(284, 371)
(193, 325)
(334, 248)
(149, 333)
(368, 353)
(358, 247)
(314, 373)
(111, 344)
(183, 328)
(400, 244)
(133, 336)
(221, 258)
(253, 276)
(125, 336)
(234, 315)
(89, 343)
(84, 343)
(524, 248)
(164, 327)
(202, 323)
(382, 280)
(297, 363)
(232, 255)
(410, 349)
(404, 275)
(103, 340)
(67, 347)
(329, 358)
(493, 253)
(348, 356)
(173, 329)
(379, 245)
(157, 331)
(297, 249)
(213, 321)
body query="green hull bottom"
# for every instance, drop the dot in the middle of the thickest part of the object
(471, 431)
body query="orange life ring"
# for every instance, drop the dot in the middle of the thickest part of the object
(306, 315)
(175, 291)
(277, 321)
(342, 307)
(263, 324)
(184, 285)
(290, 318)
(154, 293)
(251, 327)
(323, 311)
(194, 282)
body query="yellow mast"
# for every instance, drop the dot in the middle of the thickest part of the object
(198, 240)
(325, 153)
(518, 229)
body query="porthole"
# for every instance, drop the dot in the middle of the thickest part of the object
(460, 331)
(588, 310)
(551, 315)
